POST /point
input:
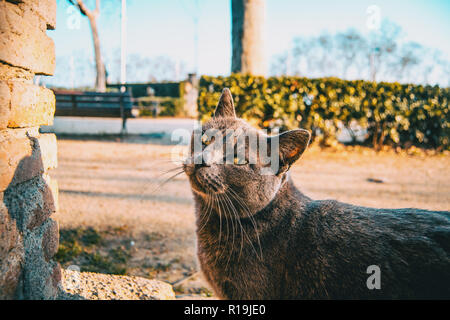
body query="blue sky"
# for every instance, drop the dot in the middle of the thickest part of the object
(165, 27)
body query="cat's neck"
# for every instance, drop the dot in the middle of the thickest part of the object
(287, 199)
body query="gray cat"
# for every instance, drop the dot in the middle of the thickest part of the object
(259, 237)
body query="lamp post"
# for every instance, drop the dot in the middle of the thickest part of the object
(123, 46)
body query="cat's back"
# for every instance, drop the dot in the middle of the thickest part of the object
(340, 241)
(335, 219)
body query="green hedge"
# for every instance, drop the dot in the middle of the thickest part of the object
(161, 89)
(393, 114)
(168, 106)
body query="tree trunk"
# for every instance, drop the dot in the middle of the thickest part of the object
(247, 37)
(100, 81)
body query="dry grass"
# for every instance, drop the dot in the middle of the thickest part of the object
(408, 181)
(110, 187)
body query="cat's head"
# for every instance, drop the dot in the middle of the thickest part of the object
(232, 161)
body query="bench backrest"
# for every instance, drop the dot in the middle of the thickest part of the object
(93, 104)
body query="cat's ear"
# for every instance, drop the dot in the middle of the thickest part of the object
(225, 107)
(291, 146)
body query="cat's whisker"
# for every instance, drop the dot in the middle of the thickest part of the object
(236, 215)
(208, 211)
(247, 236)
(222, 209)
(220, 215)
(249, 215)
(168, 171)
(210, 206)
(228, 229)
(181, 160)
(166, 181)
(234, 232)
(159, 175)
(226, 206)
(212, 196)
(220, 227)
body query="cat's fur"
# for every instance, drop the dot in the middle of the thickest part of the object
(279, 244)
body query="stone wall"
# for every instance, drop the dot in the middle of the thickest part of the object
(28, 197)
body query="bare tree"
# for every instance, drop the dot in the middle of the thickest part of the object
(383, 46)
(324, 62)
(302, 56)
(444, 67)
(432, 66)
(247, 36)
(379, 56)
(349, 46)
(314, 57)
(409, 56)
(155, 69)
(92, 15)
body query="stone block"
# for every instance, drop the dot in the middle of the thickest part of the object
(8, 73)
(30, 203)
(5, 105)
(30, 105)
(11, 254)
(23, 42)
(38, 272)
(23, 157)
(50, 239)
(25, 105)
(45, 9)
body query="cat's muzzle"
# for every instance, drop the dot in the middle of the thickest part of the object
(204, 179)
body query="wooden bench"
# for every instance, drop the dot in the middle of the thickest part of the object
(94, 104)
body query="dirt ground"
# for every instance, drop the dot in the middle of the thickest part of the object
(114, 218)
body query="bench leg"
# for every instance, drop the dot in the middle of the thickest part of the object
(124, 126)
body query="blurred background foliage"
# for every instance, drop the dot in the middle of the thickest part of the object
(374, 114)
(160, 106)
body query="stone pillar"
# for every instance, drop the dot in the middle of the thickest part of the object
(191, 96)
(29, 238)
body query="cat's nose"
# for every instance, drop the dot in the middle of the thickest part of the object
(210, 157)
(204, 159)
(201, 163)
(194, 163)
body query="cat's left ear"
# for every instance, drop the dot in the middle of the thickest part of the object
(291, 146)
(225, 107)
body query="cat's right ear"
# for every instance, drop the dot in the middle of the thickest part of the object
(291, 146)
(225, 106)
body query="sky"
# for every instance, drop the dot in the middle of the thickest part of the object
(167, 28)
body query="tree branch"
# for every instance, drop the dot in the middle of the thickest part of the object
(84, 9)
(97, 8)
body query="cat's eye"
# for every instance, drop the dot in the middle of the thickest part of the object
(206, 140)
(239, 161)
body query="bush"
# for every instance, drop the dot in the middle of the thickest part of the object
(399, 115)
(167, 106)
(161, 89)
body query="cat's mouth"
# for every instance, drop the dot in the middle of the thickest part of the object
(204, 182)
